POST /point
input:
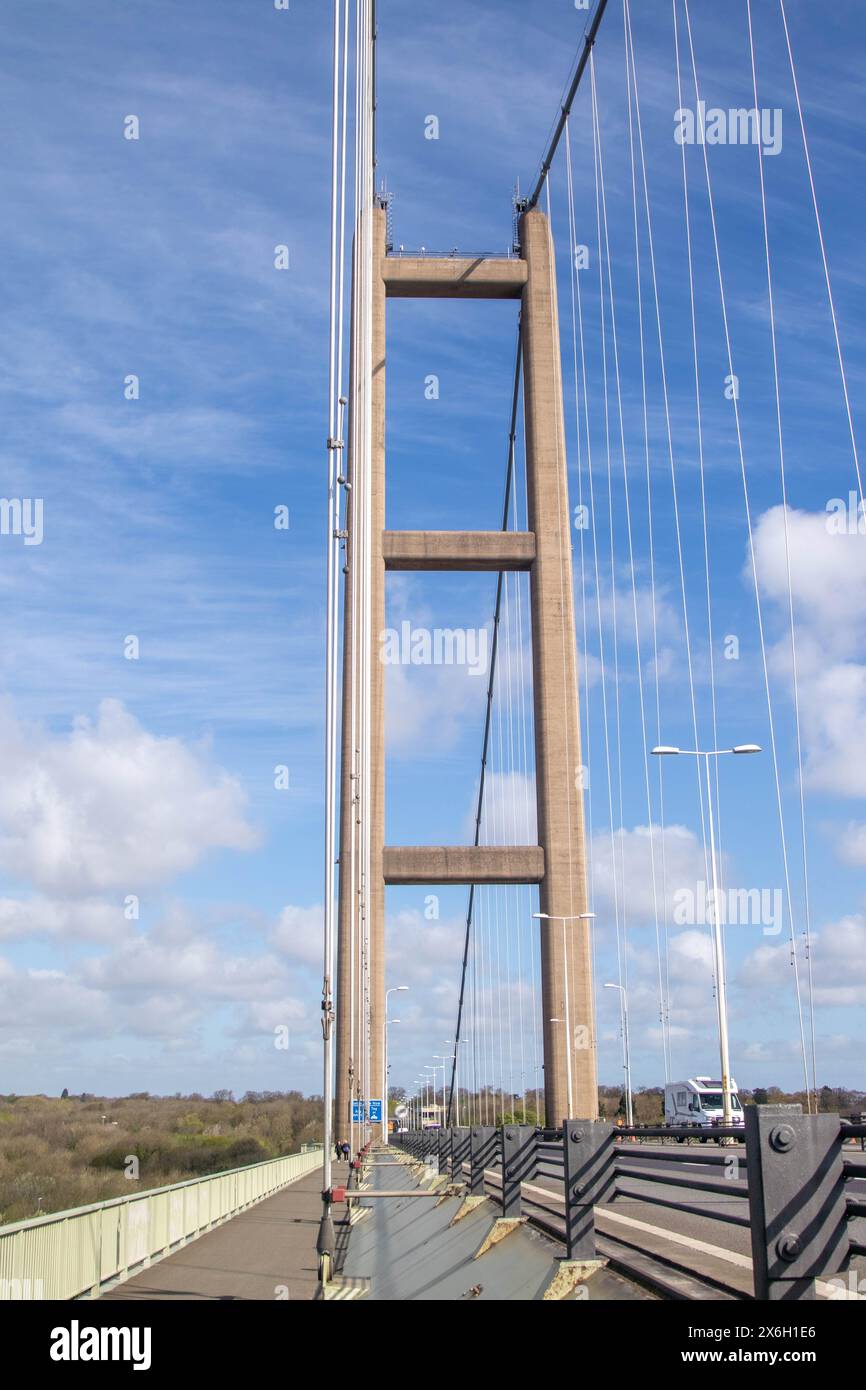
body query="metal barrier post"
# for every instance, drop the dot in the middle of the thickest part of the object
(481, 1140)
(588, 1160)
(797, 1205)
(518, 1164)
(459, 1152)
(443, 1149)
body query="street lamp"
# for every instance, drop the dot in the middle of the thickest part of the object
(443, 1059)
(579, 917)
(428, 1082)
(664, 750)
(629, 1110)
(395, 989)
(455, 1043)
(389, 1024)
(421, 1083)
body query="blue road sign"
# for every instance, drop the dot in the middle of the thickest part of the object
(357, 1112)
(375, 1112)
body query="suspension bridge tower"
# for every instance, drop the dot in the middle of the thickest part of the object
(557, 863)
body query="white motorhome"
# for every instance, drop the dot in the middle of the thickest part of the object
(699, 1103)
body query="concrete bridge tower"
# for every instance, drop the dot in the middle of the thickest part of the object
(558, 862)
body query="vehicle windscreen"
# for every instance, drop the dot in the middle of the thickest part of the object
(713, 1100)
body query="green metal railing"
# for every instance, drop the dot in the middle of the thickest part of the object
(75, 1254)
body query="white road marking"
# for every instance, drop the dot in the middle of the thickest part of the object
(717, 1251)
(691, 1242)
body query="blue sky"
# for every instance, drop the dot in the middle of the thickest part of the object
(155, 777)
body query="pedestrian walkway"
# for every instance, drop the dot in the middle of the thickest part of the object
(265, 1253)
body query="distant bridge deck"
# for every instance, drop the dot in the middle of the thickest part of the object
(265, 1253)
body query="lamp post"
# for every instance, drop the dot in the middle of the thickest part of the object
(579, 917)
(421, 1083)
(440, 1057)
(663, 750)
(455, 1043)
(629, 1108)
(431, 1083)
(395, 989)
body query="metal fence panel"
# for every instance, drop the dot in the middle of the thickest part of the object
(69, 1254)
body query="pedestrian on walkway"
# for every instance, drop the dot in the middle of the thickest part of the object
(339, 1147)
(345, 1151)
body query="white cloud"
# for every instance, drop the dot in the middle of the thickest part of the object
(266, 1015)
(828, 575)
(852, 846)
(110, 806)
(828, 584)
(165, 986)
(82, 919)
(298, 934)
(425, 955)
(50, 1007)
(509, 813)
(427, 707)
(661, 615)
(691, 954)
(773, 1050)
(623, 871)
(838, 964)
(839, 957)
(199, 435)
(196, 969)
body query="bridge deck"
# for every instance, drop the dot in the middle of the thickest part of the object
(260, 1254)
(408, 1250)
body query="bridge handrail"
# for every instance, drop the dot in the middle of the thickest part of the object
(686, 1131)
(74, 1253)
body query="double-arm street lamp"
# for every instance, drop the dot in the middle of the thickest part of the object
(629, 1108)
(664, 750)
(431, 1087)
(443, 1058)
(395, 989)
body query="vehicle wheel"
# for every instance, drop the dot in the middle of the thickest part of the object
(703, 1139)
